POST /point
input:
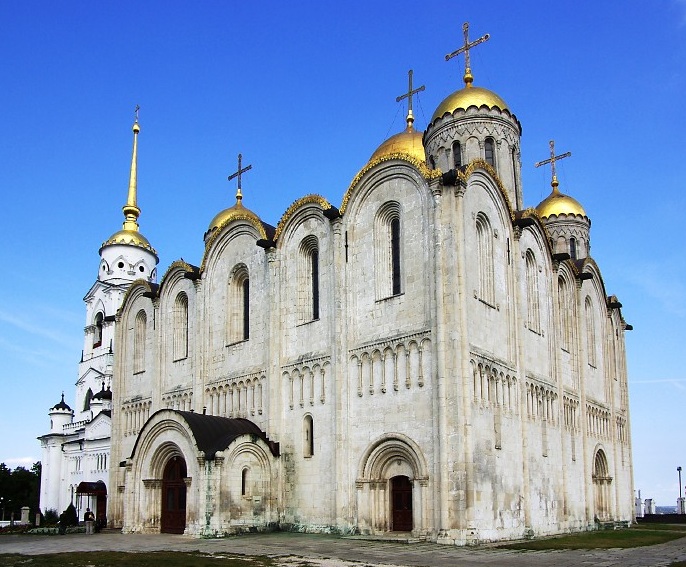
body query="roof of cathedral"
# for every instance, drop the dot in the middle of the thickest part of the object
(559, 204)
(129, 234)
(61, 405)
(213, 433)
(469, 96)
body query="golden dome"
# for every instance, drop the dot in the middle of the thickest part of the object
(559, 204)
(469, 96)
(407, 142)
(238, 211)
(129, 238)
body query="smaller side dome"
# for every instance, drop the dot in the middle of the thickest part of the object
(559, 204)
(469, 96)
(61, 405)
(407, 142)
(227, 215)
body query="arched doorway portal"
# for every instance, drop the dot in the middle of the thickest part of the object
(601, 486)
(174, 496)
(401, 503)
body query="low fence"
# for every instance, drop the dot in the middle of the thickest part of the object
(662, 519)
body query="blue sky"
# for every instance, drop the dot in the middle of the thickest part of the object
(306, 91)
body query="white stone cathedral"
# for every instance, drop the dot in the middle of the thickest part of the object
(430, 357)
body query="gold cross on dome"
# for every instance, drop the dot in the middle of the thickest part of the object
(239, 173)
(408, 96)
(551, 160)
(465, 49)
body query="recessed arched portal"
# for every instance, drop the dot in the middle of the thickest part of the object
(401, 504)
(174, 496)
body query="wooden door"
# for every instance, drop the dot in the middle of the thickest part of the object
(401, 502)
(174, 497)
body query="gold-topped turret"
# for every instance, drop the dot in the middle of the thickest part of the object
(129, 233)
(557, 203)
(238, 211)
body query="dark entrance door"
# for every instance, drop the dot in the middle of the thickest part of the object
(401, 502)
(174, 497)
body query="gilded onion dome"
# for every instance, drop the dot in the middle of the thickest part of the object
(129, 234)
(407, 142)
(469, 96)
(237, 212)
(559, 204)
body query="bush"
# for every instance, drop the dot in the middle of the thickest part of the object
(68, 518)
(50, 518)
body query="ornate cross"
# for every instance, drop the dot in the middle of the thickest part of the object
(408, 96)
(465, 49)
(239, 173)
(551, 160)
(136, 112)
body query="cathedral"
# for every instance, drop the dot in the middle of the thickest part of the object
(425, 357)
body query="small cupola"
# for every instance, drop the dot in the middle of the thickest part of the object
(237, 211)
(563, 216)
(409, 141)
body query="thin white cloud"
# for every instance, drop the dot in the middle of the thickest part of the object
(35, 329)
(656, 282)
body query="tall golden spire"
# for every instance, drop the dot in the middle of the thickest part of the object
(131, 210)
(468, 78)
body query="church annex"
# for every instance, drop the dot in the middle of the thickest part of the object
(425, 355)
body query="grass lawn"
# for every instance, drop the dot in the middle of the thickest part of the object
(121, 559)
(636, 536)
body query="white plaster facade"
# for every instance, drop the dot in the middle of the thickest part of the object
(426, 357)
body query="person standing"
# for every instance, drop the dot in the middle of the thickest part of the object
(89, 519)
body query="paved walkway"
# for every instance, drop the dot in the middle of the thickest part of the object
(334, 551)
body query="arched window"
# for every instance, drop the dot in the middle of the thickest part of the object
(572, 248)
(97, 335)
(388, 247)
(308, 436)
(245, 488)
(484, 238)
(238, 316)
(565, 309)
(489, 151)
(533, 304)
(457, 155)
(590, 332)
(87, 400)
(308, 276)
(139, 338)
(181, 326)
